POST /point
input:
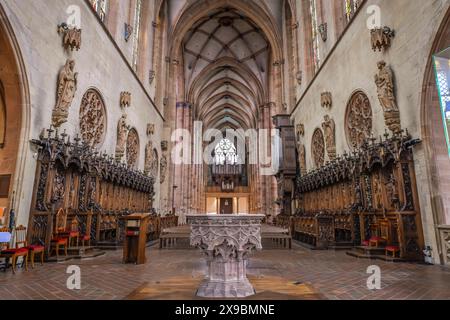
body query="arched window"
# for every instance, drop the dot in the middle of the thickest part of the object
(225, 153)
(315, 34)
(442, 68)
(137, 31)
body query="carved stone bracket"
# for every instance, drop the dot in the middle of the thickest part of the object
(326, 100)
(323, 30)
(381, 38)
(227, 242)
(71, 37)
(150, 129)
(300, 131)
(125, 99)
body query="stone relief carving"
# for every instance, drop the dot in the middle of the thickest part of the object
(381, 38)
(71, 37)
(300, 131)
(122, 134)
(299, 77)
(326, 100)
(227, 243)
(151, 161)
(132, 148)
(358, 119)
(150, 129)
(329, 129)
(151, 76)
(67, 86)
(318, 148)
(128, 32)
(386, 94)
(125, 99)
(164, 145)
(92, 118)
(163, 169)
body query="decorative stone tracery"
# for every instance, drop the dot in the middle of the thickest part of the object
(132, 148)
(358, 119)
(92, 118)
(318, 148)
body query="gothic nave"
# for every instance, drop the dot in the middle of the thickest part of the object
(227, 149)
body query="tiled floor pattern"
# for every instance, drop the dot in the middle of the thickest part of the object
(276, 274)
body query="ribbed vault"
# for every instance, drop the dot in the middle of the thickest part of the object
(226, 61)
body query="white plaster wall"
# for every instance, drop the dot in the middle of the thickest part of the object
(353, 65)
(99, 65)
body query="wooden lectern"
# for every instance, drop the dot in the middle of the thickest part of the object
(135, 238)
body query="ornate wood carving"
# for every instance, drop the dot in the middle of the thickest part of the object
(358, 120)
(329, 129)
(71, 37)
(368, 193)
(323, 30)
(132, 148)
(92, 118)
(318, 148)
(67, 86)
(381, 38)
(386, 94)
(93, 189)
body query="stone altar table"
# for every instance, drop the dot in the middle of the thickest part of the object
(227, 241)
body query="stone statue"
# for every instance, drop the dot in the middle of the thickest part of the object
(163, 169)
(67, 86)
(385, 84)
(122, 134)
(151, 161)
(302, 159)
(329, 129)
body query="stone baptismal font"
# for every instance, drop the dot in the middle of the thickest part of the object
(227, 241)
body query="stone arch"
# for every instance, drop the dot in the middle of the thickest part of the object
(17, 104)
(435, 148)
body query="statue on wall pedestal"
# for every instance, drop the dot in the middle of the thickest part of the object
(329, 129)
(67, 86)
(163, 169)
(385, 84)
(122, 136)
(302, 158)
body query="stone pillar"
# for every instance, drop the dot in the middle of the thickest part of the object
(227, 255)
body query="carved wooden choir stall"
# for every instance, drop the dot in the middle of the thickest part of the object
(367, 199)
(80, 196)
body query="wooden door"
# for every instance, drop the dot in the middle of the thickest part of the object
(226, 206)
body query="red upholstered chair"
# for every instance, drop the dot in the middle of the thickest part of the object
(60, 237)
(394, 250)
(20, 249)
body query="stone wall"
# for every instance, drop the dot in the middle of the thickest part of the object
(100, 65)
(352, 66)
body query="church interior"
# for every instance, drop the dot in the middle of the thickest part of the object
(243, 149)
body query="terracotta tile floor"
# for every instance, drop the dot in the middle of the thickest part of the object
(322, 274)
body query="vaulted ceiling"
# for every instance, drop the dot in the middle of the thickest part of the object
(226, 62)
